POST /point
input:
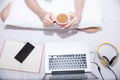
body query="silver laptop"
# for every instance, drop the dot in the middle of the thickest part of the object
(67, 56)
(67, 61)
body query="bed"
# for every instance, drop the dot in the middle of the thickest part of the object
(109, 33)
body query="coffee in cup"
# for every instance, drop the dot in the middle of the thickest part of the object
(62, 18)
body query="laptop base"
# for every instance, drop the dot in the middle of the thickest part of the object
(74, 76)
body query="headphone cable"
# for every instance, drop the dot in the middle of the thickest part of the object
(113, 72)
(99, 69)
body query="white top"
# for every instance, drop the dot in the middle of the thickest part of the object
(21, 15)
(57, 6)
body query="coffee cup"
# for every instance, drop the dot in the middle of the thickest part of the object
(62, 18)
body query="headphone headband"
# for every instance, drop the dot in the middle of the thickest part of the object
(106, 43)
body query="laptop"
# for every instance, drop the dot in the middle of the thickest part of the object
(67, 58)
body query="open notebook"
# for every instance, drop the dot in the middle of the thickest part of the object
(32, 62)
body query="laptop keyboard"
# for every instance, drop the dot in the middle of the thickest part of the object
(71, 61)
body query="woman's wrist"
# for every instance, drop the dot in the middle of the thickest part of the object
(41, 14)
(79, 16)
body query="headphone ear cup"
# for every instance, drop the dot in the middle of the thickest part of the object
(113, 60)
(105, 61)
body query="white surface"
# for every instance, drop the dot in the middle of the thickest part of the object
(110, 33)
(3, 3)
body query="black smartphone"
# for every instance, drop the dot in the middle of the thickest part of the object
(24, 52)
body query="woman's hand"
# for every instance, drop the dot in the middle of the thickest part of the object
(74, 20)
(48, 19)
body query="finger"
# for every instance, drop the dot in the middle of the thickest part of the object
(66, 26)
(52, 18)
(47, 19)
(70, 24)
(47, 23)
(72, 14)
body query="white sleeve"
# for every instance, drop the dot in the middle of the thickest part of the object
(21, 15)
(92, 13)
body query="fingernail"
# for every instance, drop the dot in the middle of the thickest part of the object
(62, 27)
(54, 21)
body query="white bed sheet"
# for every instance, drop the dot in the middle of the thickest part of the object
(109, 33)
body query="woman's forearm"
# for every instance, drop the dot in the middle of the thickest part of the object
(33, 5)
(79, 5)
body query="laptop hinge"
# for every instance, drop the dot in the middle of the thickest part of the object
(69, 72)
